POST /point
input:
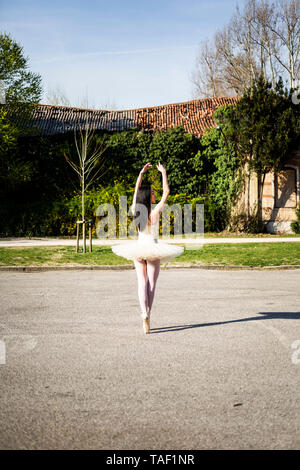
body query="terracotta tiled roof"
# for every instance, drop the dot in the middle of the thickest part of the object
(195, 116)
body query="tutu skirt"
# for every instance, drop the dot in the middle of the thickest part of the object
(147, 248)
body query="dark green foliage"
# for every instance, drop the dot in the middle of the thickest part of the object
(126, 152)
(196, 168)
(129, 151)
(222, 175)
(8, 135)
(39, 201)
(176, 149)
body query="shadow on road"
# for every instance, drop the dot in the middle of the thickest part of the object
(264, 316)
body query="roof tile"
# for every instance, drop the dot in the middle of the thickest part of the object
(195, 116)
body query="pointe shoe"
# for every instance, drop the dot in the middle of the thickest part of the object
(146, 322)
(146, 325)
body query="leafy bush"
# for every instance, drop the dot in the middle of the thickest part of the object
(58, 218)
(295, 226)
(247, 223)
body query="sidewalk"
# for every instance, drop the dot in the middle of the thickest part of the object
(36, 241)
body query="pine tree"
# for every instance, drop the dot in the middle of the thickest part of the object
(21, 86)
(19, 90)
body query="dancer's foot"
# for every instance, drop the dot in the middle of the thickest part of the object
(146, 325)
(146, 322)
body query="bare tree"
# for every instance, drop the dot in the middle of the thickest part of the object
(57, 96)
(288, 32)
(226, 65)
(237, 59)
(245, 52)
(262, 39)
(261, 18)
(90, 162)
(207, 77)
(107, 104)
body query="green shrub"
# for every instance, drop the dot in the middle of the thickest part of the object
(295, 226)
(247, 223)
(58, 218)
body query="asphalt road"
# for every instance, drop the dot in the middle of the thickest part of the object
(220, 369)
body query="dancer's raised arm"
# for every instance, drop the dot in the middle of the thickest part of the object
(138, 185)
(166, 191)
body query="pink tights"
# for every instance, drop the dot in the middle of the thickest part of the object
(147, 274)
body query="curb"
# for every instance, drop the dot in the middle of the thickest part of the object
(127, 267)
(65, 268)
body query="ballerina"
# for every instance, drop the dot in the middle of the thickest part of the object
(147, 252)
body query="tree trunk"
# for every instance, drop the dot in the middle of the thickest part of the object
(260, 187)
(248, 192)
(82, 201)
(83, 215)
(259, 197)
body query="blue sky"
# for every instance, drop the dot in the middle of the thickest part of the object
(126, 54)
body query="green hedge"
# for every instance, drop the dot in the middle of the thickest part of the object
(58, 218)
(40, 191)
(295, 226)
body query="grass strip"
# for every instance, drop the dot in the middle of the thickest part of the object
(225, 254)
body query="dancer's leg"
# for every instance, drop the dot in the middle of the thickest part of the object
(153, 268)
(142, 277)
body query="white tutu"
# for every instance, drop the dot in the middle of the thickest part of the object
(147, 247)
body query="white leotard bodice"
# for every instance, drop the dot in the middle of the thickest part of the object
(150, 233)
